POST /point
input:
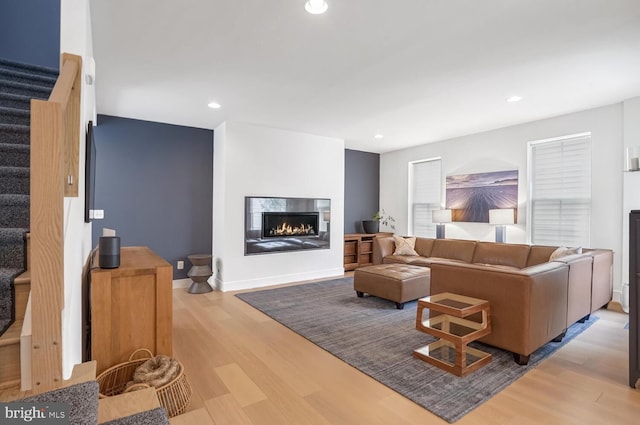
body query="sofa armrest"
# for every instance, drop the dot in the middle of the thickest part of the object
(382, 247)
(579, 286)
(528, 307)
(601, 281)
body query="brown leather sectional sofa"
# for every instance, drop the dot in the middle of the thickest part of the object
(532, 300)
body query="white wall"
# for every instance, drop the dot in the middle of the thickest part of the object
(631, 181)
(250, 160)
(75, 38)
(506, 149)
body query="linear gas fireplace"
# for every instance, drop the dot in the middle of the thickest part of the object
(286, 224)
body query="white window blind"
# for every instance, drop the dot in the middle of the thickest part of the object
(425, 179)
(560, 191)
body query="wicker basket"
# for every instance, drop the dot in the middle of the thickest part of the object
(174, 396)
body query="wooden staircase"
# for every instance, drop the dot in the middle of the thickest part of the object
(10, 375)
(31, 349)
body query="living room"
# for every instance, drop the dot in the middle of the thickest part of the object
(245, 159)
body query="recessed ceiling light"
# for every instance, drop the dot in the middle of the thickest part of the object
(214, 105)
(378, 136)
(316, 7)
(512, 99)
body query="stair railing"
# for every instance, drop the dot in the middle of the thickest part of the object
(55, 136)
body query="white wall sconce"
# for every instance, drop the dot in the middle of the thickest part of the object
(501, 217)
(440, 217)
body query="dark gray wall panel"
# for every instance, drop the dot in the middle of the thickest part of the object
(30, 31)
(361, 188)
(155, 184)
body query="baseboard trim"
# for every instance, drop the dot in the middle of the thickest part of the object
(181, 283)
(261, 282)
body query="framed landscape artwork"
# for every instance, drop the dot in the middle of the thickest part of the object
(471, 196)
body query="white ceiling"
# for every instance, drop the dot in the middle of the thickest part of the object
(416, 71)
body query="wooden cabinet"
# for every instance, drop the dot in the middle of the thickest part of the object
(358, 249)
(131, 307)
(351, 251)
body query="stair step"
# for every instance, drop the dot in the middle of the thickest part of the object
(22, 285)
(12, 248)
(15, 155)
(126, 404)
(14, 210)
(27, 77)
(12, 335)
(27, 68)
(24, 279)
(11, 100)
(15, 134)
(15, 116)
(33, 90)
(10, 356)
(14, 385)
(14, 180)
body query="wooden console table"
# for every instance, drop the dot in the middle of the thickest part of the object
(131, 307)
(358, 249)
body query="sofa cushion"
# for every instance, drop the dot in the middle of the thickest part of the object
(405, 246)
(563, 251)
(383, 246)
(424, 246)
(539, 254)
(498, 266)
(501, 254)
(420, 261)
(399, 259)
(454, 249)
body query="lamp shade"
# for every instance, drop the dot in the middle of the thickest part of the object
(441, 216)
(326, 215)
(501, 216)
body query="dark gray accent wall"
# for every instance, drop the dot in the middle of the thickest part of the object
(30, 31)
(361, 188)
(154, 182)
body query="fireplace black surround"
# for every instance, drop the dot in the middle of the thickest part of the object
(286, 224)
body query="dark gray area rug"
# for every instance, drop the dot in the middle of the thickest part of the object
(373, 336)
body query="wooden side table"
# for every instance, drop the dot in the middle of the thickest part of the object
(455, 331)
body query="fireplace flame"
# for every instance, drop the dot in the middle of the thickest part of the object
(286, 229)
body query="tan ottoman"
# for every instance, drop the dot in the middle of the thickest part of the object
(395, 282)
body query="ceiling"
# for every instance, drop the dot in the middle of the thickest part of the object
(416, 71)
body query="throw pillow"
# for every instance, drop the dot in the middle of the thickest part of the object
(405, 246)
(563, 251)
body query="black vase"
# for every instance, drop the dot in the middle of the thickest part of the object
(371, 226)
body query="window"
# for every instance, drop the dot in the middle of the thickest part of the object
(425, 195)
(560, 191)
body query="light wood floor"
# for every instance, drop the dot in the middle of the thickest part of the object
(246, 368)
